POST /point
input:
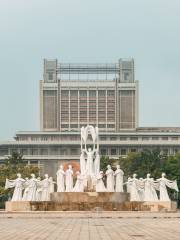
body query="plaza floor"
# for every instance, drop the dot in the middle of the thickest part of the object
(89, 225)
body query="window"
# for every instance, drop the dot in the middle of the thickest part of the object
(155, 138)
(103, 151)
(74, 125)
(127, 76)
(134, 138)
(164, 138)
(50, 76)
(133, 150)
(64, 125)
(123, 151)
(113, 151)
(113, 138)
(102, 125)
(34, 162)
(174, 138)
(111, 126)
(123, 138)
(145, 138)
(103, 138)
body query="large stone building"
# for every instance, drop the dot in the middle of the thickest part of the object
(75, 95)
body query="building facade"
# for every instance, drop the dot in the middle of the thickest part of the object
(75, 95)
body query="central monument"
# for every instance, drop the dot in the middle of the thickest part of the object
(89, 159)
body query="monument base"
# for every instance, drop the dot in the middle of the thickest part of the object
(90, 201)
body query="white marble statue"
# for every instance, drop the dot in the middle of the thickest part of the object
(99, 183)
(155, 187)
(79, 185)
(163, 184)
(149, 190)
(26, 189)
(45, 188)
(128, 185)
(89, 163)
(69, 179)
(134, 196)
(18, 185)
(110, 179)
(51, 185)
(141, 189)
(32, 185)
(60, 179)
(39, 189)
(119, 179)
(96, 163)
(83, 162)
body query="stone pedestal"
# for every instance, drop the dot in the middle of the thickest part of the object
(91, 201)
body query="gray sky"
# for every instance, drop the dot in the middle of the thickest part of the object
(88, 31)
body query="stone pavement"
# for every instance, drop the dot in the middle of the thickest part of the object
(87, 225)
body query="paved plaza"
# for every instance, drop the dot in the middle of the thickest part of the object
(75, 226)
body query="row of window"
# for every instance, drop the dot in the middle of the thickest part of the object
(102, 138)
(114, 151)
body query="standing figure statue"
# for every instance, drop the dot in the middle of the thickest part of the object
(26, 189)
(39, 189)
(97, 163)
(119, 179)
(18, 185)
(99, 183)
(60, 179)
(51, 185)
(31, 196)
(45, 188)
(163, 184)
(149, 190)
(79, 185)
(89, 164)
(141, 189)
(69, 179)
(134, 196)
(110, 179)
(82, 162)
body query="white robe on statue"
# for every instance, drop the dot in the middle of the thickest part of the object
(82, 163)
(69, 180)
(26, 189)
(134, 196)
(110, 180)
(60, 180)
(163, 184)
(100, 184)
(45, 190)
(79, 185)
(39, 191)
(18, 185)
(119, 180)
(97, 164)
(31, 195)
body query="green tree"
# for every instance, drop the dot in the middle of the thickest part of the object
(105, 160)
(143, 163)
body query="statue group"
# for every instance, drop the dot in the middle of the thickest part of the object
(91, 178)
(33, 189)
(89, 159)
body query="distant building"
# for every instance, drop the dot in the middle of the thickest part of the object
(75, 95)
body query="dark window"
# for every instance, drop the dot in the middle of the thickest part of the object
(123, 151)
(113, 151)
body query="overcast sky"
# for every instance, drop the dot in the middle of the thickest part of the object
(89, 31)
